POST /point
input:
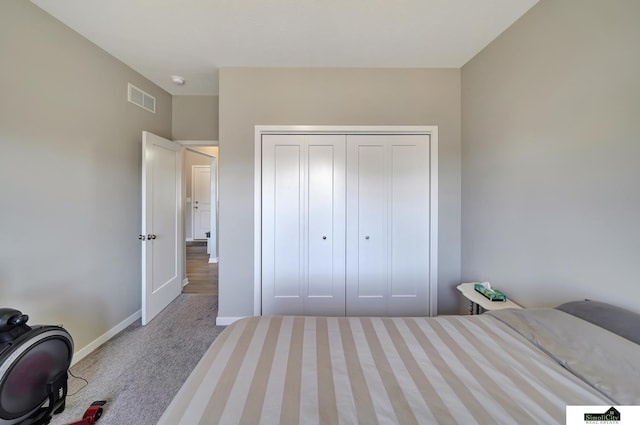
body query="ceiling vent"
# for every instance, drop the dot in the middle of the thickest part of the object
(141, 98)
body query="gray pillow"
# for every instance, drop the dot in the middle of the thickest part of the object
(614, 319)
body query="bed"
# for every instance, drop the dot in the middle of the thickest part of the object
(504, 367)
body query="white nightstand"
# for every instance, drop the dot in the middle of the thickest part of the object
(477, 300)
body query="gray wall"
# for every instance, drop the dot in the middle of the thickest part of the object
(195, 118)
(329, 97)
(551, 154)
(70, 171)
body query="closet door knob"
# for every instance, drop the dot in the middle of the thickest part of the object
(324, 237)
(142, 237)
(366, 237)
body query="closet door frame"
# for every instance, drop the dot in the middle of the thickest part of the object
(431, 131)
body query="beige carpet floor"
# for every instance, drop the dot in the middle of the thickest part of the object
(140, 370)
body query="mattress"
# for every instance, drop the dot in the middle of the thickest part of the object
(506, 367)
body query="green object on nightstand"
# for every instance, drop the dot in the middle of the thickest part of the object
(491, 294)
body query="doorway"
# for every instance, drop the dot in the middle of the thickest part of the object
(200, 219)
(387, 229)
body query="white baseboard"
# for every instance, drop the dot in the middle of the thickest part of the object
(88, 349)
(185, 282)
(226, 321)
(188, 239)
(213, 259)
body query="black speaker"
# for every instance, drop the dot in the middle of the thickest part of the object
(34, 362)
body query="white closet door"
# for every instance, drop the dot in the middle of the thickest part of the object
(387, 225)
(303, 234)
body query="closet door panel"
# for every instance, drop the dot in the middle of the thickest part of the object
(320, 224)
(366, 228)
(287, 221)
(387, 225)
(303, 211)
(372, 220)
(282, 227)
(409, 226)
(325, 211)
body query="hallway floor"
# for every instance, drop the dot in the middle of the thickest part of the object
(202, 275)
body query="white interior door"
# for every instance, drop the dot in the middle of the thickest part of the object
(201, 194)
(161, 224)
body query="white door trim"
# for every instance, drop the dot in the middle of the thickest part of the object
(432, 131)
(213, 240)
(198, 142)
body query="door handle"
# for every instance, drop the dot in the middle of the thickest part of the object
(142, 237)
(366, 237)
(196, 207)
(151, 237)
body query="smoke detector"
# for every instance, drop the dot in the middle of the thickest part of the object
(178, 80)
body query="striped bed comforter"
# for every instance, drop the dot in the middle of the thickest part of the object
(449, 370)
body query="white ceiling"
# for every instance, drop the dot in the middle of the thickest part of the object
(195, 38)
